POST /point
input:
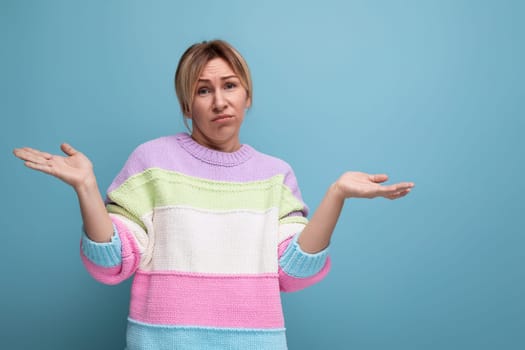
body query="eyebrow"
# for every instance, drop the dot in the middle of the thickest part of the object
(222, 78)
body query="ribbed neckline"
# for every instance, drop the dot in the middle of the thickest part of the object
(212, 156)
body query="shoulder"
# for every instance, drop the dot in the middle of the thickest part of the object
(159, 144)
(270, 165)
(151, 152)
(271, 160)
(147, 155)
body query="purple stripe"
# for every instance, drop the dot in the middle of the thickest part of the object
(173, 153)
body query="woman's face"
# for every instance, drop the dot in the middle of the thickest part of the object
(218, 107)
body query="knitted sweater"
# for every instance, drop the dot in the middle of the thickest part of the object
(211, 239)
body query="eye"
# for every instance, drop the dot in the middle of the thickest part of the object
(202, 91)
(229, 85)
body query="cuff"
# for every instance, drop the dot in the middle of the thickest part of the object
(103, 254)
(297, 263)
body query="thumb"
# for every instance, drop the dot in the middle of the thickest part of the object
(378, 178)
(67, 149)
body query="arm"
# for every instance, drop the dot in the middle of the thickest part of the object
(297, 269)
(317, 233)
(97, 223)
(109, 248)
(77, 171)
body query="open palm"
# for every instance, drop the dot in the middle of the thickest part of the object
(362, 185)
(74, 169)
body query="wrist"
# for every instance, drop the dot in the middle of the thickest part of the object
(87, 186)
(335, 191)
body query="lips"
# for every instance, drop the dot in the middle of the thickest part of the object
(222, 117)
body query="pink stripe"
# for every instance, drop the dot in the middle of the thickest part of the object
(130, 259)
(289, 283)
(187, 299)
(293, 284)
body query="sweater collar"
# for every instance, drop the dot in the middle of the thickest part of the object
(212, 156)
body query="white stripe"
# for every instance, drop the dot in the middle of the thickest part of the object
(288, 230)
(205, 241)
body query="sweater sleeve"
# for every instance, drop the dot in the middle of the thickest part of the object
(113, 262)
(297, 269)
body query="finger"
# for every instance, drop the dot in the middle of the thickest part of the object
(67, 149)
(394, 194)
(45, 168)
(23, 152)
(30, 155)
(398, 194)
(398, 187)
(19, 152)
(38, 153)
(378, 178)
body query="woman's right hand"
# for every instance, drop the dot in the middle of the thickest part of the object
(75, 168)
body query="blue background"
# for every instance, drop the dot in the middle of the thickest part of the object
(426, 91)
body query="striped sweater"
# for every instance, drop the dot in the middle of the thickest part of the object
(211, 239)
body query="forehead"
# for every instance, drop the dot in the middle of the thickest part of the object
(216, 67)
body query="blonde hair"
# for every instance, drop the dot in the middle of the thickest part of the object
(192, 63)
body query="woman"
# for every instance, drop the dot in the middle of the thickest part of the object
(211, 229)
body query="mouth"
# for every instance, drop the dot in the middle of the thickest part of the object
(222, 117)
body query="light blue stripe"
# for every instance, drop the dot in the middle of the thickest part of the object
(298, 263)
(103, 254)
(141, 336)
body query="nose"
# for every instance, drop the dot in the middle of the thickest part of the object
(219, 102)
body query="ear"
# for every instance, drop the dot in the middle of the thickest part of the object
(186, 111)
(187, 114)
(248, 102)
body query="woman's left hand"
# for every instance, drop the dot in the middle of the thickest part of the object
(362, 185)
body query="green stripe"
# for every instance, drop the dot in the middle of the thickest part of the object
(294, 220)
(155, 187)
(115, 209)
